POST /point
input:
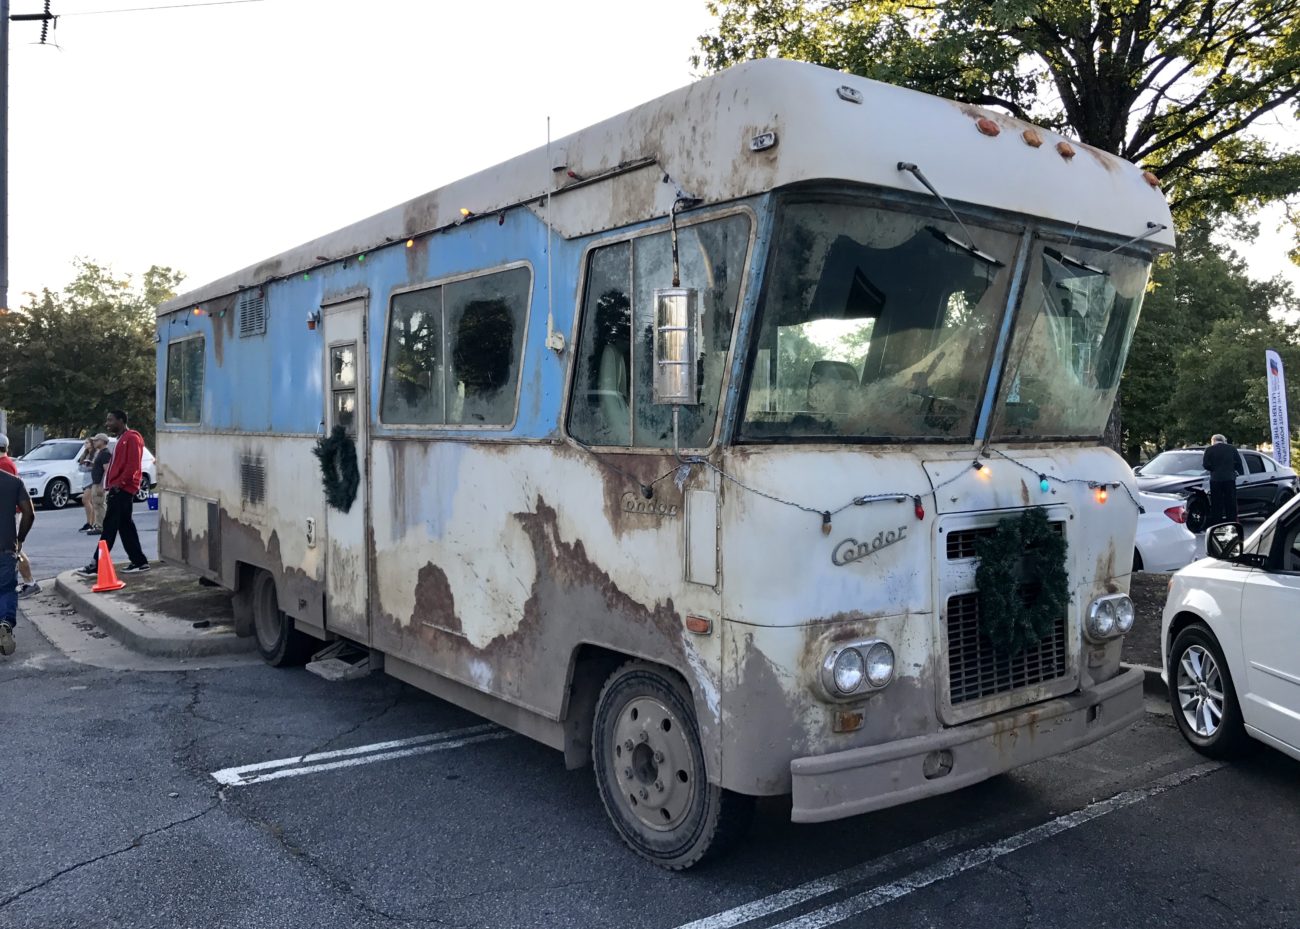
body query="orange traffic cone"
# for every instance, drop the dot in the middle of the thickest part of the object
(107, 579)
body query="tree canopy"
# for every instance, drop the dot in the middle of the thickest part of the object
(1179, 86)
(72, 355)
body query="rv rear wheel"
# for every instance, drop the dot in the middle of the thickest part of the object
(649, 765)
(277, 641)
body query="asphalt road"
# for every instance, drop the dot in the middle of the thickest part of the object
(54, 544)
(110, 815)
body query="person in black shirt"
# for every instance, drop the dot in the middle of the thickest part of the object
(1224, 464)
(13, 498)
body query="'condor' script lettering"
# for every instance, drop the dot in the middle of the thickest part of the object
(851, 550)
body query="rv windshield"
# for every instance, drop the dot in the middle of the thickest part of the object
(875, 324)
(1072, 336)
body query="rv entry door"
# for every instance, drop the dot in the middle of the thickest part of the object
(347, 581)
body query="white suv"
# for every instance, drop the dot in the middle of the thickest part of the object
(52, 477)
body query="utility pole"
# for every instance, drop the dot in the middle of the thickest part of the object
(4, 157)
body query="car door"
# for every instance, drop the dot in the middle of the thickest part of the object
(1270, 630)
(1254, 489)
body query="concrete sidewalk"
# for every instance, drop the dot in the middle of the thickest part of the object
(165, 613)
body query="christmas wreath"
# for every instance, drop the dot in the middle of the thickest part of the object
(338, 467)
(1023, 585)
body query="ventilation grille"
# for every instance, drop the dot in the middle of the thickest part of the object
(976, 670)
(961, 542)
(252, 313)
(252, 478)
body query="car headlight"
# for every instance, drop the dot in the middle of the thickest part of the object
(32, 474)
(854, 668)
(880, 665)
(848, 670)
(1108, 617)
(1124, 616)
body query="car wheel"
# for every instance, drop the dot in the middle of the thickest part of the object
(278, 642)
(58, 494)
(1198, 512)
(1203, 697)
(142, 494)
(650, 773)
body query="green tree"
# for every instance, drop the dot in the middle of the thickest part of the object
(72, 355)
(1176, 85)
(1196, 365)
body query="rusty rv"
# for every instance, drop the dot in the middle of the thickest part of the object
(670, 445)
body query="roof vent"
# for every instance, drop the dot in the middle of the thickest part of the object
(252, 313)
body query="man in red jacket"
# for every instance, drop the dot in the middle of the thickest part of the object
(121, 484)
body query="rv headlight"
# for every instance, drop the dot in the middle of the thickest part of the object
(1100, 624)
(856, 668)
(1124, 615)
(848, 670)
(880, 665)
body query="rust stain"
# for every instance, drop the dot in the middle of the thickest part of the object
(434, 603)
(222, 326)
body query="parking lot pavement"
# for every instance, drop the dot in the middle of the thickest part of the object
(54, 544)
(247, 796)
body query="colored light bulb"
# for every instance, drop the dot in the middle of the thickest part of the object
(1042, 483)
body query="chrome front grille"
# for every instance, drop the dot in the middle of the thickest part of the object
(977, 671)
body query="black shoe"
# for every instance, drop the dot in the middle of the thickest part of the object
(135, 568)
(88, 571)
(84, 527)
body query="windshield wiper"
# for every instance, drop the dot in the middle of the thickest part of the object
(969, 245)
(1072, 262)
(962, 246)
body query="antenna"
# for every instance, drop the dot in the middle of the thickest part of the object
(554, 340)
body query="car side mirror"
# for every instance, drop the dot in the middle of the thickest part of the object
(1224, 541)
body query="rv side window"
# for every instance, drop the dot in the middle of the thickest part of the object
(454, 352)
(183, 402)
(612, 401)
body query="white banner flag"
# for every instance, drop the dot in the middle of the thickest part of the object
(1277, 409)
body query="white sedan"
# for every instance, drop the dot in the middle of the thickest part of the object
(1231, 653)
(1164, 543)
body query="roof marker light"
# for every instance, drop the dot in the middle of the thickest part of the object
(987, 126)
(849, 94)
(1065, 149)
(1032, 138)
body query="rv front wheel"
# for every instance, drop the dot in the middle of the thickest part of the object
(650, 771)
(277, 641)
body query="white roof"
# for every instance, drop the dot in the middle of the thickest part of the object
(612, 173)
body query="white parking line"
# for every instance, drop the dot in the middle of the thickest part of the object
(951, 867)
(964, 861)
(313, 763)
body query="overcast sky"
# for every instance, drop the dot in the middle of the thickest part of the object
(209, 138)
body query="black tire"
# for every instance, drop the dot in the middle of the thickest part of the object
(1198, 512)
(58, 494)
(646, 743)
(1227, 738)
(279, 644)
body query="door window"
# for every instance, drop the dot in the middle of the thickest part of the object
(343, 386)
(1254, 463)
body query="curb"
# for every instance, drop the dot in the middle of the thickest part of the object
(127, 628)
(1152, 684)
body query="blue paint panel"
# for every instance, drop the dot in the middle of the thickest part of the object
(274, 382)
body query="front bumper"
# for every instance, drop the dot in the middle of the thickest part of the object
(860, 780)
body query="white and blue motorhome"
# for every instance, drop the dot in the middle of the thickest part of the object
(671, 445)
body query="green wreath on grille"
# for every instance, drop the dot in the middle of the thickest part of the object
(338, 468)
(1023, 585)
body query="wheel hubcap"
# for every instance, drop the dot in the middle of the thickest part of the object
(58, 496)
(653, 763)
(1200, 691)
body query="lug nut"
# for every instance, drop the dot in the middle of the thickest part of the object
(659, 757)
(628, 744)
(645, 794)
(627, 773)
(644, 737)
(659, 786)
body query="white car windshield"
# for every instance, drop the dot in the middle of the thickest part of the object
(1175, 464)
(53, 451)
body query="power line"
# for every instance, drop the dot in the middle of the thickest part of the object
(146, 9)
